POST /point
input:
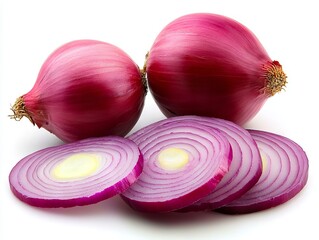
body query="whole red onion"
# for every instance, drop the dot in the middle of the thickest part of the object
(210, 65)
(85, 88)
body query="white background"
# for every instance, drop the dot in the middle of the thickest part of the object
(31, 30)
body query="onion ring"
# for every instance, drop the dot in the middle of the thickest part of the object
(203, 155)
(285, 173)
(78, 173)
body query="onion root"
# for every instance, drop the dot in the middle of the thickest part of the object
(19, 111)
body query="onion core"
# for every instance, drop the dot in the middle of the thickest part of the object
(172, 158)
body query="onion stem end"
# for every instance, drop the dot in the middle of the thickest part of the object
(276, 79)
(144, 73)
(19, 111)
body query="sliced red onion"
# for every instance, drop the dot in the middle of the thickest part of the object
(285, 173)
(245, 170)
(183, 163)
(75, 174)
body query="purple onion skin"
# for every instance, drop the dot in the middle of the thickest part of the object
(210, 65)
(255, 200)
(85, 88)
(98, 196)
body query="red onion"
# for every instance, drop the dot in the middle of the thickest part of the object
(245, 169)
(183, 162)
(210, 65)
(75, 174)
(85, 88)
(285, 173)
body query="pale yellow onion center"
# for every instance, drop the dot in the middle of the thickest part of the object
(76, 166)
(263, 161)
(172, 158)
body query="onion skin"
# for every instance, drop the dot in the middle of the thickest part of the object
(85, 88)
(210, 65)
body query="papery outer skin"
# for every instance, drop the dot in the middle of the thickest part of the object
(86, 88)
(19, 190)
(149, 203)
(293, 174)
(209, 65)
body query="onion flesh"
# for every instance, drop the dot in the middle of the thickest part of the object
(245, 169)
(203, 157)
(285, 173)
(85, 88)
(75, 174)
(207, 58)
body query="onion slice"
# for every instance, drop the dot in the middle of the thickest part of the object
(183, 163)
(245, 169)
(285, 173)
(78, 173)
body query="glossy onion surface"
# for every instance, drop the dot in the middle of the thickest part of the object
(210, 65)
(85, 88)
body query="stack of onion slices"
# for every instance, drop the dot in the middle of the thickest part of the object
(285, 173)
(266, 169)
(183, 162)
(186, 163)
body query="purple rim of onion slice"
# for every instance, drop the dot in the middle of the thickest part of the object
(285, 173)
(245, 169)
(183, 162)
(78, 173)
